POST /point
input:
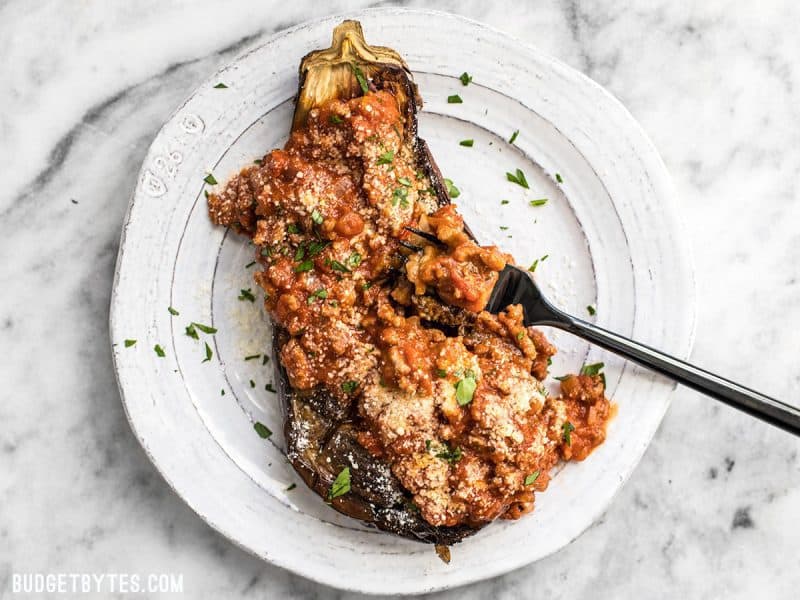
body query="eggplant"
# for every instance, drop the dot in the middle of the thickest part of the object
(320, 432)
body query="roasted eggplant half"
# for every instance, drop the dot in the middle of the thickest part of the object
(406, 405)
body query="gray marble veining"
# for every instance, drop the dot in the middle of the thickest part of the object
(714, 507)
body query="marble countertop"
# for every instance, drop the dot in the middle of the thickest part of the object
(712, 511)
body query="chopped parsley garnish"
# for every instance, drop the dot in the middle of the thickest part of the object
(172, 311)
(262, 429)
(250, 264)
(454, 99)
(210, 179)
(404, 181)
(291, 487)
(535, 263)
(568, 428)
(159, 351)
(386, 158)
(558, 178)
(441, 373)
(503, 228)
(205, 328)
(269, 388)
(348, 387)
(531, 478)
(520, 335)
(320, 294)
(258, 162)
(191, 332)
(292, 228)
(362, 81)
(252, 383)
(513, 137)
(220, 86)
(209, 353)
(341, 484)
(519, 178)
(452, 190)
(591, 310)
(315, 248)
(265, 360)
(337, 266)
(300, 253)
(129, 343)
(335, 119)
(451, 456)
(316, 217)
(400, 195)
(354, 260)
(539, 202)
(465, 389)
(247, 295)
(304, 266)
(222, 392)
(467, 143)
(593, 369)
(465, 78)
(252, 357)
(503, 202)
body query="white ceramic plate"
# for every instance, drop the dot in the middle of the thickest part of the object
(609, 230)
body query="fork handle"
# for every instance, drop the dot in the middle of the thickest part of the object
(758, 405)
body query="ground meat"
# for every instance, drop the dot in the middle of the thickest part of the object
(451, 397)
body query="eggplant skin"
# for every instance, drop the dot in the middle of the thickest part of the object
(320, 433)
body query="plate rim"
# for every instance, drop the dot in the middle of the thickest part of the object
(689, 312)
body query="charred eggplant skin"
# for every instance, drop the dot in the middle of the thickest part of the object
(319, 433)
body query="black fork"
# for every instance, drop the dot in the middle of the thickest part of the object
(516, 286)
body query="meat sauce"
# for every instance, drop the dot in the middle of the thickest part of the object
(458, 410)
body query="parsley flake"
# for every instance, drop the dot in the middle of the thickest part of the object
(465, 389)
(535, 263)
(531, 478)
(205, 328)
(558, 178)
(172, 311)
(129, 343)
(247, 295)
(320, 294)
(348, 387)
(209, 353)
(220, 86)
(362, 81)
(210, 179)
(513, 137)
(518, 177)
(450, 455)
(159, 351)
(386, 158)
(262, 430)
(400, 195)
(568, 428)
(465, 78)
(591, 310)
(341, 484)
(454, 99)
(304, 266)
(452, 190)
(539, 202)
(316, 217)
(335, 119)
(467, 143)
